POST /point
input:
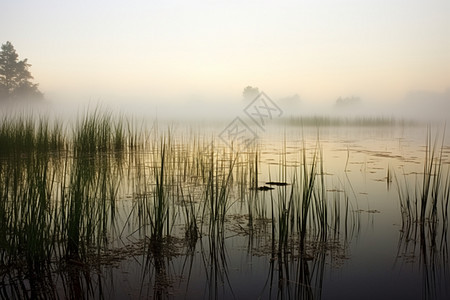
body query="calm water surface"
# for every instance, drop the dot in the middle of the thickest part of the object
(370, 254)
(372, 261)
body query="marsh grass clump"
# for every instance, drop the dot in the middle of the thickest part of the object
(57, 195)
(87, 205)
(59, 191)
(22, 135)
(191, 211)
(300, 209)
(158, 215)
(217, 191)
(92, 134)
(303, 220)
(424, 210)
(17, 135)
(156, 189)
(308, 227)
(50, 198)
(89, 185)
(28, 222)
(428, 201)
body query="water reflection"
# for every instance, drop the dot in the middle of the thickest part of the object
(425, 245)
(423, 235)
(159, 216)
(295, 277)
(71, 281)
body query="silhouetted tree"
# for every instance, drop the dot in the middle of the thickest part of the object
(15, 78)
(250, 93)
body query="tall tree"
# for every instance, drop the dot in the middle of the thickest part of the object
(15, 78)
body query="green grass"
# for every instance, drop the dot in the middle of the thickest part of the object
(427, 202)
(70, 195)
(50, 199)
(424, 214)
(22, 135)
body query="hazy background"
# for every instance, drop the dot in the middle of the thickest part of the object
(195, 58)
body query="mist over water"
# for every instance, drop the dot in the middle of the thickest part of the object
(365, 222)
(421, 106)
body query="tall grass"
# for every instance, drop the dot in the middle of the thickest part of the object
(303, 218)
(216, 195)
(27, 212)
(21, 135)
(59, 194)
(37, 212)
(424, 212)
(159, 217)
(428, 201)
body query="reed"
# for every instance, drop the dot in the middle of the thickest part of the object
(217, 189)
(424, 212)
(429, 201)
(159, 216)
(308, 179)
(89, 201)
(27, 213)
(191, 211)
(22, 135)
(247, 179)
(58, 194)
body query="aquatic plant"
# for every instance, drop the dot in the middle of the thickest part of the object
(216, 194)
(59, 190)
(430, 198)
(21, 134)
(424, 213)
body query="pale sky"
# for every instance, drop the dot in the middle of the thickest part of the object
(318, 49)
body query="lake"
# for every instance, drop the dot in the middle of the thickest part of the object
(113, 209)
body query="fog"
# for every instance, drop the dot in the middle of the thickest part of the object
(422, 106)
(190, 61)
